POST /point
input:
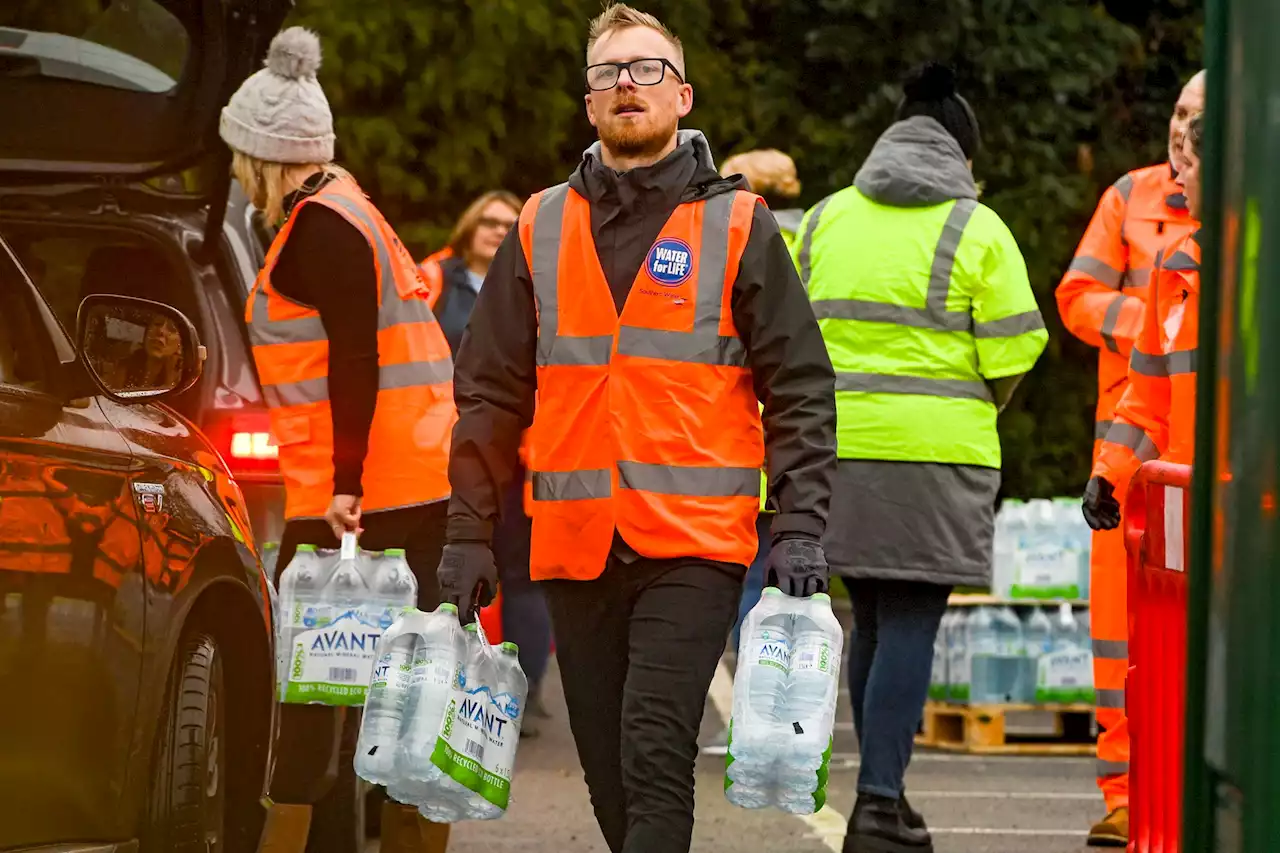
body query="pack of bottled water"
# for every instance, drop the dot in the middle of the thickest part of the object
(331, 611)
(1041, 550)
(784, 704)
(1064, 669)
(441, 725)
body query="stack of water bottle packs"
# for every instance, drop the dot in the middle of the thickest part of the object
(784, 704)
(995, 655)
(331, 609)
(1041, 550)
(442, 721)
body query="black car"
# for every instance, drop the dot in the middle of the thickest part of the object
(136, 652)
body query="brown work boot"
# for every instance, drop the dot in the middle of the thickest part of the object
(1112, 830)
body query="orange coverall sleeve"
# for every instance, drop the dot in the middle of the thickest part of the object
(1092, 306)
(1140, 430)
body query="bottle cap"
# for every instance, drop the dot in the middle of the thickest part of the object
(470, 626)
(394, 552)
(271, 546)
(510, 648)
(307, 548)
(771, 590)
(822, 596)
(447, 608)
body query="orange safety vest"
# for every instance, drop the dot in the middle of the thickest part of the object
(1102, 294)
(1156, 417)
(433, 275)
(407, 463)
(646, 423)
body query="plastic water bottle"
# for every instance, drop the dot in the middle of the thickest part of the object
(1038, 633)
(1066, 631)
(958, 657)
(299, 592)
(1004, 547)
(941, 655)
(510, 691)
(757, 731)
(810, 707)
(384, 705)
(995, 646)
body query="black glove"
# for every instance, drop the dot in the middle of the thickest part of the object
(797, 567)
(1100, 507)
(468, 577)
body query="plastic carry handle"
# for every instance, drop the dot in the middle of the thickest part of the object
(348, 551)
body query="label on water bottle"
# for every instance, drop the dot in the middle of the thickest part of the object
(1046, 571)
(1065, 677)
(811, 656)
(332, 659)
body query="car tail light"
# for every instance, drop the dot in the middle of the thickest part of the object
(253, 445)
(245, 441)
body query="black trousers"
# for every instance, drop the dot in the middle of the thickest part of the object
(638, 647)
(307, 732)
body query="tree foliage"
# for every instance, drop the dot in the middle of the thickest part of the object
(437, 102)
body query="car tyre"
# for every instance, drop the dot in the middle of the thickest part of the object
(188, 804)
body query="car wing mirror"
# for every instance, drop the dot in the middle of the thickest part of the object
(137, 350)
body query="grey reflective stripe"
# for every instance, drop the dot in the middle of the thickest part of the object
(1110, 698)
(1100, 429)
(1009, 327)
(944, 254)
(264, 331)
(688, 481)
(887, 312)
(1097, 269)
(547, 227)
(1136, 278)
(1132, 437)
(883, 383)
(682, 346)
(407, 375)
(703, 344)
(1111, 649)
(1111, 768)
(806, 242)
(1124, 186)
(1181, 262)
(297, 393)
(1170, 364)
(1109, 321)
(572, 485)
(581, 350)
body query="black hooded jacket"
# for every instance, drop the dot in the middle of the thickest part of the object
(495, 379)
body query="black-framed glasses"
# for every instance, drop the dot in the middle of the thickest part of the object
(643, 72)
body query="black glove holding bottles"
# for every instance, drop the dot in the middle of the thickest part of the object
(798, 567)
(468, 577)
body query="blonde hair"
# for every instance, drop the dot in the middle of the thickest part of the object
(469, 221)
(267, 183)
(767, 170)
(620, 16)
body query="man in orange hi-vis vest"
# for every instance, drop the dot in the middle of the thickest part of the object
(1102, 300)
(652, 305)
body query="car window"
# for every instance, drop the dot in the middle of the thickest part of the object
(20, 361)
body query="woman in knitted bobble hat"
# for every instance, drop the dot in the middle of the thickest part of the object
(357, 376)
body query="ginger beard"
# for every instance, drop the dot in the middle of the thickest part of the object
(637, 122)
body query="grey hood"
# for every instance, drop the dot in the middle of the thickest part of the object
(701, 148)
(915, 163)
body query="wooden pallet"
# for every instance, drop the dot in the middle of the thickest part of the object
(1008, 729)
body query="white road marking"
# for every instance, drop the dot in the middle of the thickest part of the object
(1034, 833)
(1003, 795)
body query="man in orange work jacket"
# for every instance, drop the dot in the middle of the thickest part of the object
(1156, 416)
(650, 304)
(1101, 300)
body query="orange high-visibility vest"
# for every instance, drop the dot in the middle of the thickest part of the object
(648, 422)
(407, 463)
(1102, 294)
(1156, 417)
(433, 275)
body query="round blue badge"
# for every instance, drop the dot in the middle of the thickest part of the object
(670, 262)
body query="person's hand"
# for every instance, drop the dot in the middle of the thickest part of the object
(468, 577)
(343, 515)
(1100, 507)
(798, 567)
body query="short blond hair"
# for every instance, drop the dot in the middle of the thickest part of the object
(620, 16)
(768, 171)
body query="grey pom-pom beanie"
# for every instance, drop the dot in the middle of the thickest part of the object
(280, 114)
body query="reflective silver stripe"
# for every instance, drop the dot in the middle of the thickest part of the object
(1111, 768)
(806, 242)
(703, 344)
(1110, 698)
(1136, 278)
(1132, 437)
(581, 350)
(1181, 262)
(297, 393)
(547, 227)
(406, 375)
(681, 346)
(1111, 649)
(887, 312)
(572, 485)
(883, 383)
(1169, 364)
(689, 481)
(1100, 429)
(264, 331)
(1011, 326)
(1124, 186)
(1109, 321)
(1097, 269)
(944, 254)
